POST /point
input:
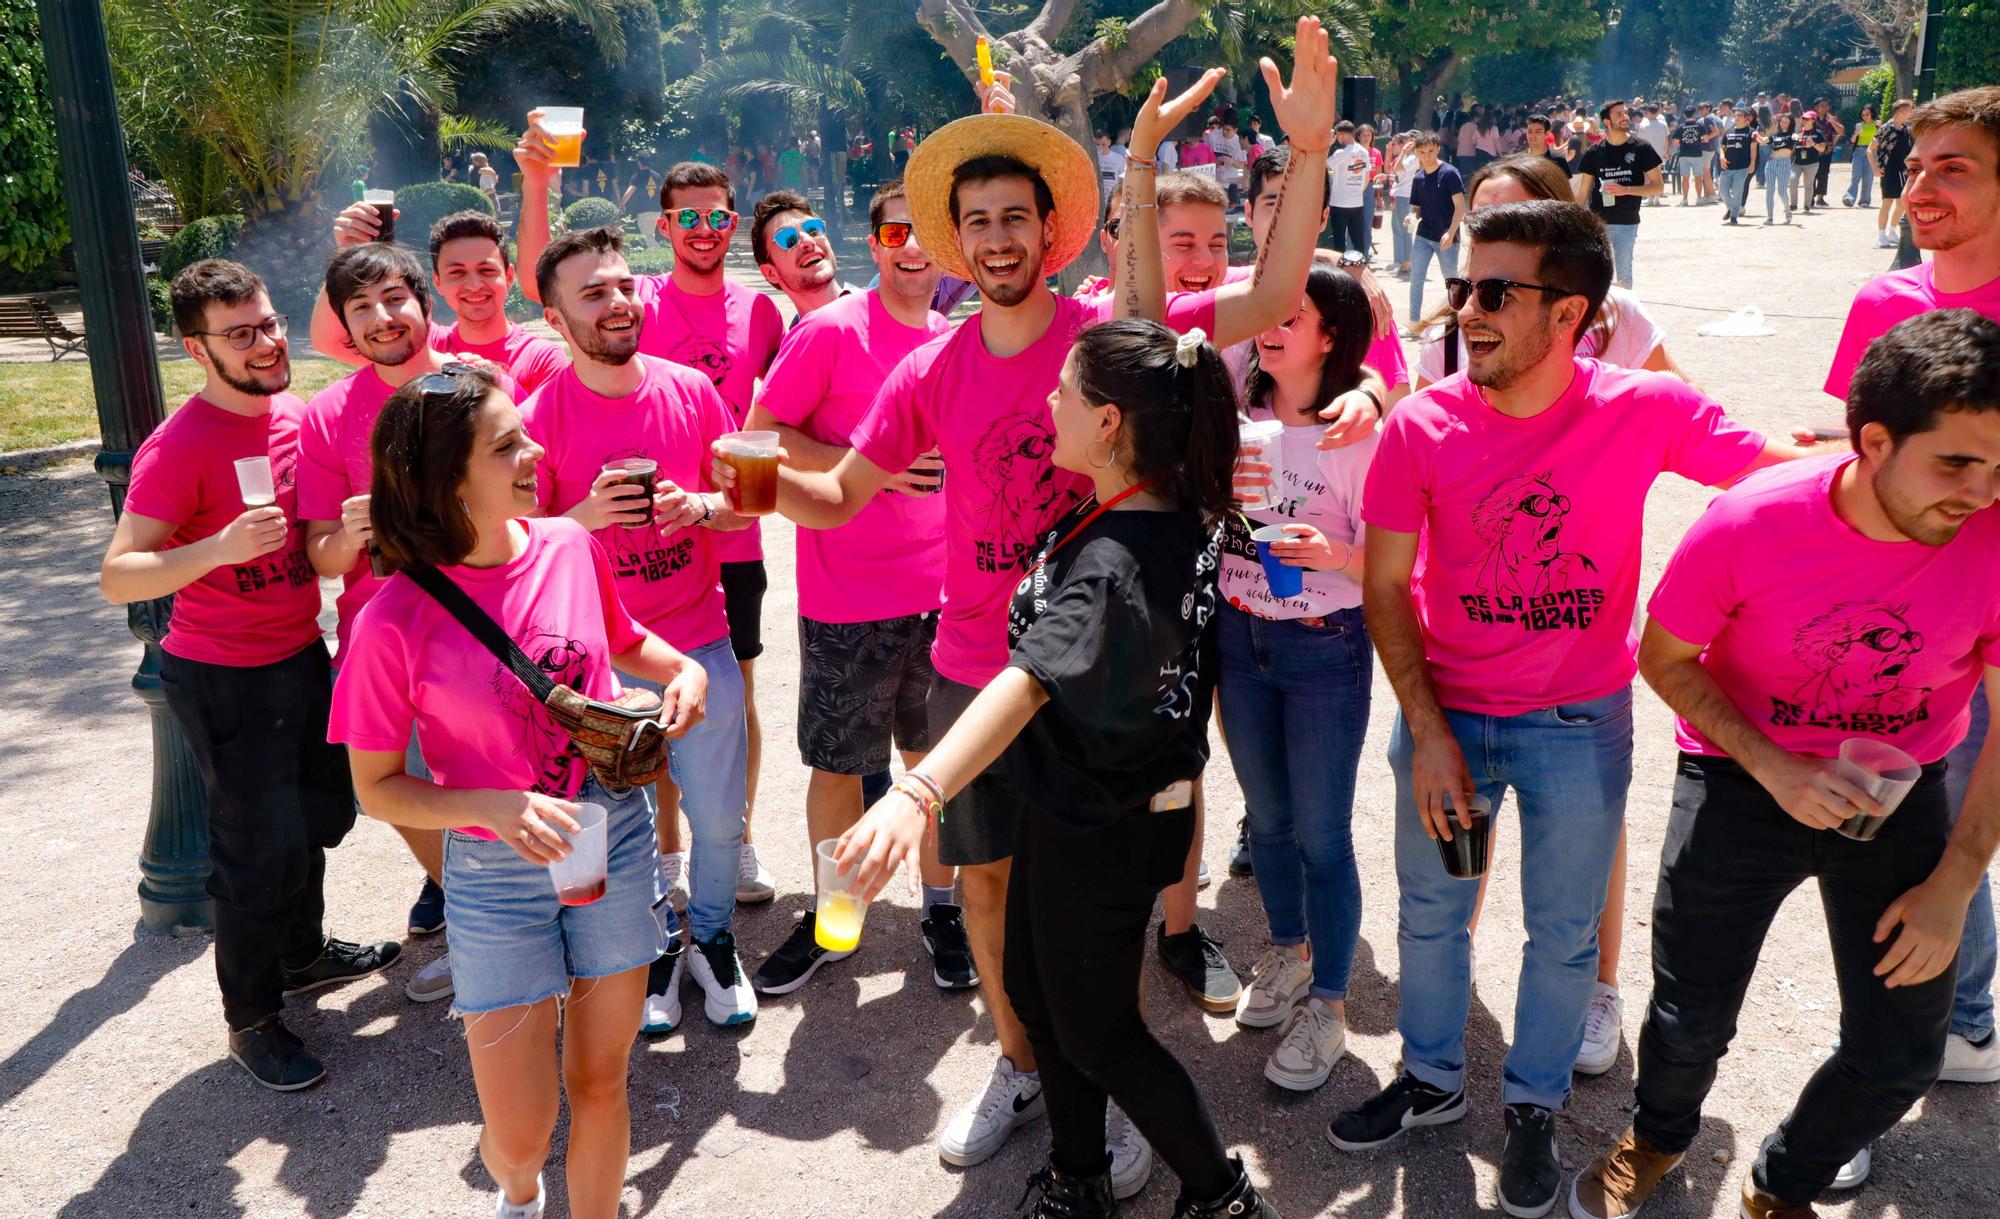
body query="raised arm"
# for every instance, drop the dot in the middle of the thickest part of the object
(532, 155)
(357, 224)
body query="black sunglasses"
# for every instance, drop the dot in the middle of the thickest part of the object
(1492, 293)
(440, 384)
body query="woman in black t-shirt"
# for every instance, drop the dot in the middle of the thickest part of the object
(1807, 149)
(1781, 142)
(1102, 718)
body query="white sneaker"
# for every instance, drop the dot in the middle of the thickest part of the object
(432, 982)
(1603, 1029)
(727, 997)
(1131, 1154)
(1966, 1063)
(1201, 876)
(1314, 1040)
(1277, 985)
(662, 1013)
(1011, 1098)
(753, 883)
(673, 880)
(503, 1209)
(1886, 242)
(1852, 1175)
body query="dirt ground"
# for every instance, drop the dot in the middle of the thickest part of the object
(116, 1100)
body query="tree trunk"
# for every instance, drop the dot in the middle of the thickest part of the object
(1438, 69)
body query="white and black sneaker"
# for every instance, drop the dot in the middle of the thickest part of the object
(1403, 1105)
(796, 960)
(1530, 1168)
(952, 967)
(1011, 1098)
(1131, 1154)
(662, 1012)
(727, 997)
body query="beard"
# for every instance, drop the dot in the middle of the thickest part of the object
(275, 380)
(614, 350)
(1526, 352)
(1016, 289)
(1912, 520)
(394, 354)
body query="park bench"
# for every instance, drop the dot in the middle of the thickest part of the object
(149, 255)
(29, 317)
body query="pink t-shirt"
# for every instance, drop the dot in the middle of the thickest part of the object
(479, 728)
(1529, 569)
(184, 475)
(668, 579)
(730, 337)
(888, 562)
(1817, 633)
(336, 461)
(1892, 298)
(990, 419)
(529, 360)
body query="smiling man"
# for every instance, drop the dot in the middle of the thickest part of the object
(792, 249)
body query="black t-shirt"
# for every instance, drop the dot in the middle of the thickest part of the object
(1783, 141)
(1689, 137)
(1626, 164)
(1803, 152)
(1118, 628)
(1892, 147)
(1736, 145)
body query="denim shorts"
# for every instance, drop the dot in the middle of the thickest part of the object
(513, 943)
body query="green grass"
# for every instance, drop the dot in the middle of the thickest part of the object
(50, 404)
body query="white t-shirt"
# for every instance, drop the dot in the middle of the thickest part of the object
(1227, 148)
(1655, 132)
(1168, 156)
(1634, 335)
(1317, 488)
(1111, 165)
(1406, 173)
(1349, 165)
(489, 178)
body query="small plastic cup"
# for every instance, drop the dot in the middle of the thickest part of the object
(638, 472)
(838, 912)
(565, 127)
(1885, 772)
(384, 203)
(754, 457)
(579, 876)
(1284, 581)
(253, 480)
(1466, 855)
(1266, 435)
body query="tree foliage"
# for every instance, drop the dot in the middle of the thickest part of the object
(551, 58)
(1790, 45)
(34, 222)
(1969, 46)
(1423, 44)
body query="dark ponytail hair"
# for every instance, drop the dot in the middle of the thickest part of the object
(1345, 318)
(421, 447)
(1180, 423)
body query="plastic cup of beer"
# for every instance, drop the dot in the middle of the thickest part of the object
(253, 480)
(638, 472)
(1266, 435)
(754, 457)
(1466, 854)
(565, 127)
(838, 913)
(579, 875)
(384, 203)
(1885, 772)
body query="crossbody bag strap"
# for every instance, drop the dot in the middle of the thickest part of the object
(446, 592)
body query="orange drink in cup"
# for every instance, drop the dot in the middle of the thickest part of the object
(565, 127)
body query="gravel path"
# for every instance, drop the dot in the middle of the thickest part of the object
(115, 1099)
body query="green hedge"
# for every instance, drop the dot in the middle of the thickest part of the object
(426, 203)
(590, 213)
(160, 303)
(207, 237)
(1969, 50)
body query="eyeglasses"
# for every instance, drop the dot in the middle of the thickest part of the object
(894, 234)
(792, 234)
(244, 337)
(720, 219)
(1492, 293)
(1889, 639)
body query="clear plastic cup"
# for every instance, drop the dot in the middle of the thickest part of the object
(384, 203)
(565, 127)
(579, 876)
(838, 913)
(1267, 435)
(1885, 772)
(253, 480)
(754, 457)
(1467, 853)
(638, 472)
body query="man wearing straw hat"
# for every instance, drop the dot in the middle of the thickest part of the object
(1005, 201)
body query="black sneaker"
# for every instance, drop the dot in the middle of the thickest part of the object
(1196, 959)
(1239, 859)
(1067, 1197)
(952, 967)
(274, 1057)
(427, 915)
(1407, 1103)
(340, 962)
(792, 966)
(1241, 1202)
(1530, 1169)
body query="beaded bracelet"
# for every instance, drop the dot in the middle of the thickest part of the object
(919, 796)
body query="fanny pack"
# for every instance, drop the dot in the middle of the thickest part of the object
(625, 747)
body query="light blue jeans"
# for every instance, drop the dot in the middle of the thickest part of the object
(1368, 221)
(1623, 238)
(1421, 253)
(1861, 187)
(1735, 192)
(1569, 767)
(1777, 189)
(711, 764)
(1972, 1005)
(1400, 240)
(1295, 699)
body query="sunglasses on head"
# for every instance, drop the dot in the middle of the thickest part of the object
(894, 234)
(1491, 293)
(791, 235)
(440, 384)
(720, 219)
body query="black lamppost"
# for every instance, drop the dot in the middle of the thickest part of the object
(125, 374)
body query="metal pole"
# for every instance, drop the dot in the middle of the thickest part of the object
(125, 375)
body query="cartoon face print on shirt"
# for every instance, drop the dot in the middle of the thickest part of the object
(1526, 577)
(644, 553)
(566, 663)
(705, 355)
(1855, 656)
(1013, 461)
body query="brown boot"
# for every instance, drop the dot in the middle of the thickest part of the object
(1618, 1183)
(1759, 1205)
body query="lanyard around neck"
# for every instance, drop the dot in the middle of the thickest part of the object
(1084, 524)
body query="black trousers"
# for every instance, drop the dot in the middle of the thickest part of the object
(1825, 174)
(278, 797)
(1350, 226)
(1078, 906)
(1730, 858)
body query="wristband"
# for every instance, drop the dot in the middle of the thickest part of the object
(1380, 411)
(1141, 162)
(915, 793)
(929, 784)
(708, 508)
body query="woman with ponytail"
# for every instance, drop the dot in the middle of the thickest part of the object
(1102, 719)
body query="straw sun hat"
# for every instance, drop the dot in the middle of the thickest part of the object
(1062, 162)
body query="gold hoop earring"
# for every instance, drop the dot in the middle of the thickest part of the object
(1110, 455)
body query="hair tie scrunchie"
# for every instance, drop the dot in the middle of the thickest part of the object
(1188, 346)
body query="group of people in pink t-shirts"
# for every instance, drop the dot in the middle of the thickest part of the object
(1020, 571)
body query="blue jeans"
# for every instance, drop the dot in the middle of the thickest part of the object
(1623, 238)
(1295, 702)
(1735, 192)
(1421, 254)
(1400, 240)
(1777, 186)
(710, 765)
(1368, 222)
(1972, 1006)
(1570, 767)
(1861, 187)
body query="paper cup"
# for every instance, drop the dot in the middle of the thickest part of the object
(1284, 581)
(579, 876)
